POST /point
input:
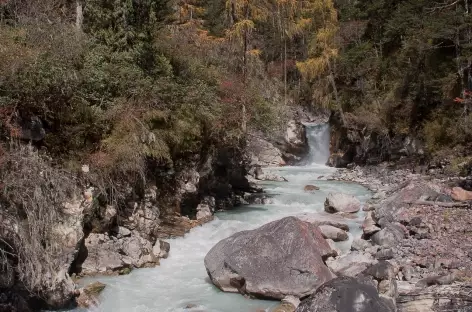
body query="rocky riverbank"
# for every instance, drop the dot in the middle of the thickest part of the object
(420, 226)
(414, 254)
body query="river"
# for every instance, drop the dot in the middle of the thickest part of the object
(181, 283)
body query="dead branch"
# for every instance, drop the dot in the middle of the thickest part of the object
(440, 204)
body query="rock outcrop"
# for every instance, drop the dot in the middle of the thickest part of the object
(345, 294)
(110, 254)
(281, 258)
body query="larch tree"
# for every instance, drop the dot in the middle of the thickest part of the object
(322, 21)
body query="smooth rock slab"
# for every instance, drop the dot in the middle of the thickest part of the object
(339, 202)
(278, 259)
(325, 219)
(331, 232)
(351, 264)
(345, 294)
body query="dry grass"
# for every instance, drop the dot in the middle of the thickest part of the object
(33, 195)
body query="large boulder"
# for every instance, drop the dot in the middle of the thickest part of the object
(281, 258)
(339, 202)
(345, 294)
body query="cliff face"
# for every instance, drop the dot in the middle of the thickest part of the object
(354, 143)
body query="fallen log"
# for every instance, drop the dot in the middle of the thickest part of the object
(440, 204)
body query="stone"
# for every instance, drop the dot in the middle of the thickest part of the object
(88, 296)
(339, 202)
(384, 254)
(389, 236)
(408, 272)
(459, 194)
(288, 304)
(360, 244)
(318, 219)
(331, 232)
(263, 153)
(344, 294)
(278, 259)
(388, 288)
(437, 280)
(383, 270)
(369, 226)
(108, 255)
(122, 232)
(204, 212)
(310, 188)
(332, 244)
(351, 264)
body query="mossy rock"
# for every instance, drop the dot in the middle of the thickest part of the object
(94, 289)
(125, 271)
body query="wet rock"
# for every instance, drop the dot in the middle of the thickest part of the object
(333, 246)
(204, 212)
(288, 304)
(351, 264)
(331, 232)
(161, 249)
(344, 294)
(281, 258)
(318, 219)
(88, 296)
(310, 188)
(339, 202)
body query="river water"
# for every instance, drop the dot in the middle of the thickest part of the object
(181, 283)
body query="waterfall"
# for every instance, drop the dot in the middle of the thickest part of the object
(318, 136)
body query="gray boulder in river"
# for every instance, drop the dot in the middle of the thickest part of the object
(339, 202)
(278, 259)
(345, 294)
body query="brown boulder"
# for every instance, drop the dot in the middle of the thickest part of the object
(459, 194)
(311, 188)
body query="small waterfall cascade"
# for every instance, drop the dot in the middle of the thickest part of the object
(318, 136)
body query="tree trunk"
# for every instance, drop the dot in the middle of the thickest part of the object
(79, 14)
(243, 119)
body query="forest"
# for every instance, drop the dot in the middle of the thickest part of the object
(128, 86)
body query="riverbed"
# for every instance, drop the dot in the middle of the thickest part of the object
(181, 283)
